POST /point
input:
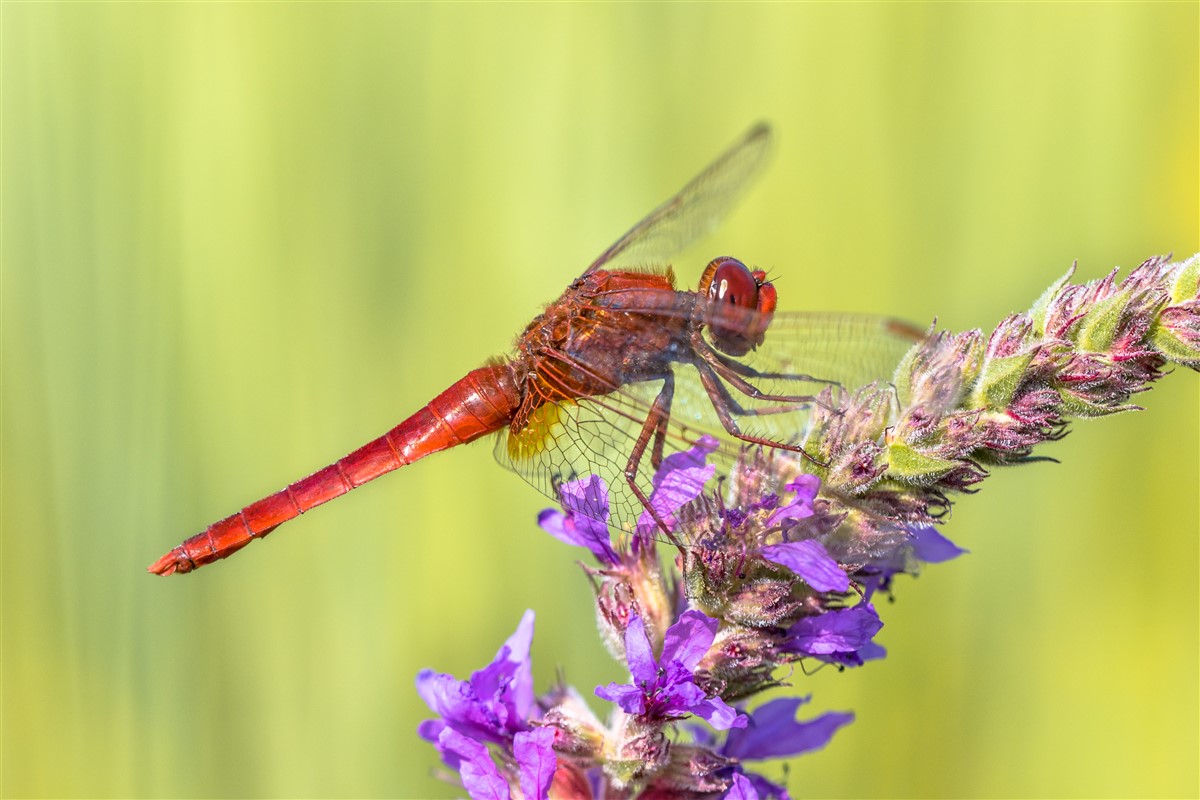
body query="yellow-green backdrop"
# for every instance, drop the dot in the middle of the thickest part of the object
(239, 240)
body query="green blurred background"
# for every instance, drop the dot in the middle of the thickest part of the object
(240, 240)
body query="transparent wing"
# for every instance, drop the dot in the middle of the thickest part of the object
(595, 436)
(695, 210)
(850, 350)
(802, 354)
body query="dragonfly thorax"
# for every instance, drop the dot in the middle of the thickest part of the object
(606, 330)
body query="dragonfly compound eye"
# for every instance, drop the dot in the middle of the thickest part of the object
(739, 305)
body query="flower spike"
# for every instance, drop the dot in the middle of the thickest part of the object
(782, 563)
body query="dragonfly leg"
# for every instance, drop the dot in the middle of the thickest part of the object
(660, 430)
(654, 426)
(746, 371)
(786, 406)
(724, 405)
(726, 369)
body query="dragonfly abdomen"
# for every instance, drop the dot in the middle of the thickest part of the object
(482, 401)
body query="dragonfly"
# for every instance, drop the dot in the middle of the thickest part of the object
(621, 370)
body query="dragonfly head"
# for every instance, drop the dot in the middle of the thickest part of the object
(738, 305)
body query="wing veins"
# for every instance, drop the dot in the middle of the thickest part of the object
(699, 206)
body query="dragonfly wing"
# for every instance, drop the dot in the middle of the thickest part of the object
(595, 436)
(850, 350)
(695, 210)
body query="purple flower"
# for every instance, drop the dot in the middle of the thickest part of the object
(665, 688)
(474, 763)
(774, 732)
(493, 706)
(678, 481)
(534, 752)
(840, 637)
(483, 780)
(809, 560)
(801, 507)
(586, 520)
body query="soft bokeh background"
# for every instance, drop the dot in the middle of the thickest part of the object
(240, 240)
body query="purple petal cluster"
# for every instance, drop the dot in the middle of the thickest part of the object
(494, 707)
(665, 688)
(799, 507)
(497, 700)
(585, 522)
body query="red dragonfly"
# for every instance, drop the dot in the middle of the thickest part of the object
(620, 369)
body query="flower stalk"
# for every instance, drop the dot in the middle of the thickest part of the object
(781, 563)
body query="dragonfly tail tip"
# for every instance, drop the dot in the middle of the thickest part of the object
(169, 565)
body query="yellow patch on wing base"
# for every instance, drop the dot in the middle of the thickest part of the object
(537, 434)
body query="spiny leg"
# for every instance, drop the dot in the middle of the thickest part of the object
(721, 402)
(656, 421)
(722, 366)
(660, 432)
(747, 371)
(788, 406)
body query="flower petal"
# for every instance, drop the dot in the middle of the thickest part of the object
(768, 790)
(931, 547)
(480, 777)
(810, 561)
(586, 496)
(679, 480)
(457, 704)
(630, 698)
(555, 523)
(719, 714)
(806, 487)
(692, 458)
(585, 523)
(676, 693)
(801, 506)
(638, 653)
(689, 639)
(843, 631)
(855, 658)
(535, 757)
(440, 692)
(773, 731)
(496, 702)
(741, 789)
(430, 729)
(505, 686)
(521, 687)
